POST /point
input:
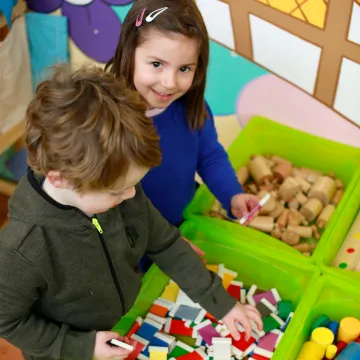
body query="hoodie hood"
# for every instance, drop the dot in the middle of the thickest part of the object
(32, 205)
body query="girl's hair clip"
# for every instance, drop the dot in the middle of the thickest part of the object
(150, 17)
(139, 18)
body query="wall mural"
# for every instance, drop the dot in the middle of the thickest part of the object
(294, 61)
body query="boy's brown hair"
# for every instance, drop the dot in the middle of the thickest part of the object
(88, 126)
(181, 17)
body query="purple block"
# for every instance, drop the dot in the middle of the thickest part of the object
(272, 296)
(268, 341)
(208, 333)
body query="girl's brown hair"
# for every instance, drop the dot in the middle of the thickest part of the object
(181, 17)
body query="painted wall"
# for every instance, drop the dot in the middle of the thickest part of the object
(295, 61)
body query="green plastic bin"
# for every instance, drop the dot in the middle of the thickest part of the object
(337, 235)
(332, 297)
(254, 265)
(263, 136)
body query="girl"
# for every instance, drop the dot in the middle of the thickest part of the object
(163, 53)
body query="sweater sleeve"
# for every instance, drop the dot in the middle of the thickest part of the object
(175, 258)
(35, 335)
(214, 166)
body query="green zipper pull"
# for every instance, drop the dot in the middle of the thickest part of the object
(96, 223)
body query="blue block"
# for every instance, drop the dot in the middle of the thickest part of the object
(351, 352)
(147, 331)
(154, 342)
(334, 327)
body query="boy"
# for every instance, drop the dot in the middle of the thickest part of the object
(79, 223)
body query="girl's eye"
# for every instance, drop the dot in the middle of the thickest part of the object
(156, 64)
(185, 69)
(116, 195)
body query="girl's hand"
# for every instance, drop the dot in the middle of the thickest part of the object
(241, 204)
(104, 351)
(196, 249)
(242, 314)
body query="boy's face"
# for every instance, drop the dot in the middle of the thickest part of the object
(95, 202)
(165, 66)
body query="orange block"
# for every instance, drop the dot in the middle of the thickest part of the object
(159, 310)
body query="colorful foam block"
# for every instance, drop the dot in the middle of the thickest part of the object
(177, 327)
(272, 296)
(234, 289)
(180, 349)
(171, 292)
(136, 326)
(206, 331)
(158, 353)
(148, 329)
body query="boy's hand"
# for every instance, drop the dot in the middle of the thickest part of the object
(196, 249)
(242, 314)
(241, 204)
(104, 351)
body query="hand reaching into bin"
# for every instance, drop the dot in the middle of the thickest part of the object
(242, 314)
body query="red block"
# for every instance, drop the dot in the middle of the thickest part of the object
(137, 350)
(133, 329)
(190, 356)
(177, 327)
(242, 344)
(234, 291)
(259, 357)
(341, 345)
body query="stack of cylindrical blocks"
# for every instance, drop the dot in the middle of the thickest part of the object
(174, 314)
(332, 340)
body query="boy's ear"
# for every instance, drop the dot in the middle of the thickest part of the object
(56, 180)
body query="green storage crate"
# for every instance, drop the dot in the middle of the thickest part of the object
(254, 265)
(263, 136)
(332, 297)
(337, 235)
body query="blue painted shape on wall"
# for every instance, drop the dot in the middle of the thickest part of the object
(121, 11)
(48, 43)
(228, 73)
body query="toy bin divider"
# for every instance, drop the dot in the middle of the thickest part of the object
(264, 136)
(254, 266)
(329, 296)
(337, 236)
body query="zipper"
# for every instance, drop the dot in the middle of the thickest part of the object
(100, 232)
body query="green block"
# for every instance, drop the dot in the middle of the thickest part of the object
(263, 136)
(177, 351)
(284, 309)
(270, 324)
(321, 321)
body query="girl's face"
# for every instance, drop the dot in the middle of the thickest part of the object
(165, 66)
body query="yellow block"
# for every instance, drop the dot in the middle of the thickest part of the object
(285, 6)
(213, 268)
(349, 329)
(331, 352)
(315, 12)
(322, 336)
(171, 292)
(158, 352)
(227, 279)
(311, 350)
